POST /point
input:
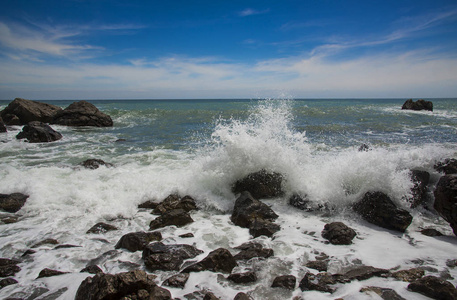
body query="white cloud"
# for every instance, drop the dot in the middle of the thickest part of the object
(249, 12)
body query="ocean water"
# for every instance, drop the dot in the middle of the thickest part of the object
(200, 148)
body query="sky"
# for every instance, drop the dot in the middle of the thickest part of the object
(113, 49)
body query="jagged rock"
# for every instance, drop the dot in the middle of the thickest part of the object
(92, 269)
(338, 233)
(409, 275)
(219, 260)
(418, 105)
(2, 126)
(431, 232)
(448, 166)
(384, 293)
(285, 281)
(49, 273)
(434, 287)
(135, 284)
(320, 265)
(319, 282)
(300, 202)
(246, 277)
(8, 267)
(21, 111)
(158, 256)
(419, 190)
(38, 132)
(150, 204)
(45, 242)
(101, 228)
(7, 281)
(261, 184)
(446, 199)
(177, 281)
(136, 241)
(186, 203)
(82, 113)
(263, 227)
(94, 163)
(12, 202)
(176, 217)
(363, 273)
(377, 208)
(251, 249)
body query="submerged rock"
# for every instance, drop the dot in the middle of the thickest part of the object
(82, 113)
(418, 105)
(252, 249)
(431, 232)
(158, 256)
(186, 203)
(285, 281)
(176, 217)
(446, 199)
(94, 163)
(101, 228)
(377, 208)
(363, 273)
(49, 273)
(12, 202)
(261, 184)
(434, 287)
(7, 281)
(49, 241)
(338, 233)
(177, 281)
(38, 132)
(219, 260)
(137, 241)
(22, 111)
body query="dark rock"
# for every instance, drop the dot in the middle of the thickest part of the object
(320, 265)
(148, 205)
(210, 296)
(246, 277)
(418, 105)
(38, 132)
(92, 269)
(176, 217)
(22, 111)
(431, 232)
(384, 293)
(172, 202)
(46, 242)
(28, 252)
(12, 202)
(8, 219)
(319, 282)
(8, 267)
(446, 199)
(242, 296)
(49, 273)
(338, 233)
(260, 184)
(177, 281)
(135, 284)
(187, 235)
(377, 208)
(136, 241)
(263, 227)
(65, 246)
(285, 281)
(219, 260)
(449, 166)
(409, 275)
(363, 273)
(82, 113)
(251, 249)
(451, 263)
(6, 282)
(364, 148)
(299, 202)
(2, 126)
(419, 190)
(101, 228)
(158, 256)
(434, 287)
(95, 164)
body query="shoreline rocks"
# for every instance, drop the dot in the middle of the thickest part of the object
(261, 185)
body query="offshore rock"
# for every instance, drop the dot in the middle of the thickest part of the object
(434, 287)
(176, 217)
(418, 105)
(101, 228)
(135, 284)
(252, 249)
(22, 111)
(261, 185)
(12, 202)
(285, 281)
(419, 190)
(377, 208)
(82, 113)
(219, 260)
(446, 199)
(38, 132)
(187, 203)
(137, 241)
(338, 233)
(158, 256)
(448, 166)
(94, 163)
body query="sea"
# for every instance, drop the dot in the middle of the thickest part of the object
(200, 148)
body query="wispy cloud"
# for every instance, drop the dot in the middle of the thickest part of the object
(250, 11)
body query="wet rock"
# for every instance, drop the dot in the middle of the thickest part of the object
(377, 208)
(158, 256)
(12, 202)
(285, 281)
(364, 148)
(219, 260)
(431, 232)
(82, 113)
(137, 241)
(420, 104)
(434, 287)
(28, 252)
(2, 126)
(261, 185)
(176, 217)
(363, 273)
(150, 204)
(338, 233)
(187, 235)
(177, 281)
(300, 202)
(101, 228)
(251, 249)
(7, 219)
(92, 269)
(49, 273)
(38, 132)
(451, 263)
(263, 227)
(246, 277)
(46, 242)
(384, 293)
(446, 199)
(94, 163)
(448, 166)
(22, 111)
(7, 281)
(186, 203)
(409, 275)
(319, 282)
(419, 195)
(65, 246)
(8, 267)
(242, 296)
(320, 265)
(210, 296)
(135, 284)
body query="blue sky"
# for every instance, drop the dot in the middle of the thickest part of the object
(77, 49)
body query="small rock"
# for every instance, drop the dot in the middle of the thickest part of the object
(285, 281)
(319, 282)
(150, 204)
(261, 185)
(38, 132)
(9, 219)
(187, 235)
(384, 293)
(8, 267)
(93, 164)
(451, 263)
(320, 265)
(409, 275)
(158, 256)
(137, 241)
(446, 199)
(363, 273)
(364, 148)
(417, 105)
(246, 277)
(177, 281)
(242, 296)
(431, 232)
(264, 227)
(49, 273)
(187, 203)
(176, 217)
(300, 202)
(338, 233)
(210, 296)
(101, 228)
(46, 242)
(434, 287)
(12, 202)
(219, 260)
(252, 249)
(7, 281)
(448, 166)
(92, 269)
(64, 246)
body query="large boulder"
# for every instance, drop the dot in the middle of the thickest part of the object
(38, 132)
(434, 287)
(377, 208)
(158, 256)
(418, 105)
(261, 185)
(82, 113)
(12, 202)
(446, 199)
(22, 111)
(219, 260)
(137, 241)
(338, 233)
(135, 284)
